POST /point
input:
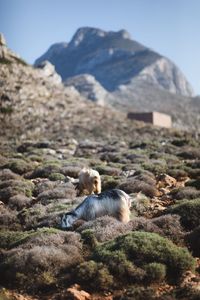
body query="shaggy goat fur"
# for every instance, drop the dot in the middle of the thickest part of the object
(89, 182)
(115, 203)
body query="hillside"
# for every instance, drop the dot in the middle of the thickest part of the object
(49, 132)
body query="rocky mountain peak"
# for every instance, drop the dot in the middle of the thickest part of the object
(91, 35)
(124, 34)
(85, 34)
(114, 59)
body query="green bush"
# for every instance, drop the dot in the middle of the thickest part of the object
(189, 212)
(177, 173)
(187, 293)
(95, 275)
(134, 185)
(45, 171)
(8, 110)
(155, 166)
(194, 183)
(135, 250)
(193, 173)
(187, 192)
(5, 61)
(9, 239)
(56, 176)
(155, 272)
(190, 153)
(110, 182)
(37, 259)
(89, 237)
(107, 170)
(9, 188)
(20, 166)
(139, 293)
(193, 241)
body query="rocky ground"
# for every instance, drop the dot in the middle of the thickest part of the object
(48, 134)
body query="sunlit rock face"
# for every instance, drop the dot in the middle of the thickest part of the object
(49, 71)
(88, 87)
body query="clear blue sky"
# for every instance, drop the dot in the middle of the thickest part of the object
(170, 27)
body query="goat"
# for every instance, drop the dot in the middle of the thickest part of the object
(89, 182)
(114, 203)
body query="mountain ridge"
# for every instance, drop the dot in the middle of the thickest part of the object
(113, 58)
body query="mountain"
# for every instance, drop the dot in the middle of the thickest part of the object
(111, 69)
(114, 59)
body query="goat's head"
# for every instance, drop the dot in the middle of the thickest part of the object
(67, 220)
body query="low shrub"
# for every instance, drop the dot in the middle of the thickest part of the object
(186, 292)
(187, 192)
(115, 157)
(145, 177)
(189, 212)
(57, 176)
(194, 183)
(193, 164)
(132, 185)
(104, 228)
(177, 173)
(20, 166)
(190, 153)
(71, 171)
(143, 224)
(110, 182)
(9, 188)
(95, 275)
(155, 272)
(140, 205)
(144, 173)
(43, 186)
(8, 239)
(45, 171)
(19, 202)
(37, 259)
(170, 227)
(156, 166)
(7, 174)
(135, 250)
(107, 228)
(193, 173)
(107, 170)
(66, 190)
(30, 216)
(193, 241)
(138, 293)
(8, 218)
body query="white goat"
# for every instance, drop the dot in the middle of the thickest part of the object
(114, 203)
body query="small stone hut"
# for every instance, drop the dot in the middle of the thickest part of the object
(154, 117)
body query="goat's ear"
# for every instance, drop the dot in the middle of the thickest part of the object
(95, 181)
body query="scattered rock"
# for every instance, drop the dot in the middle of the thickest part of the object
(75, 293)
(165, 180)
